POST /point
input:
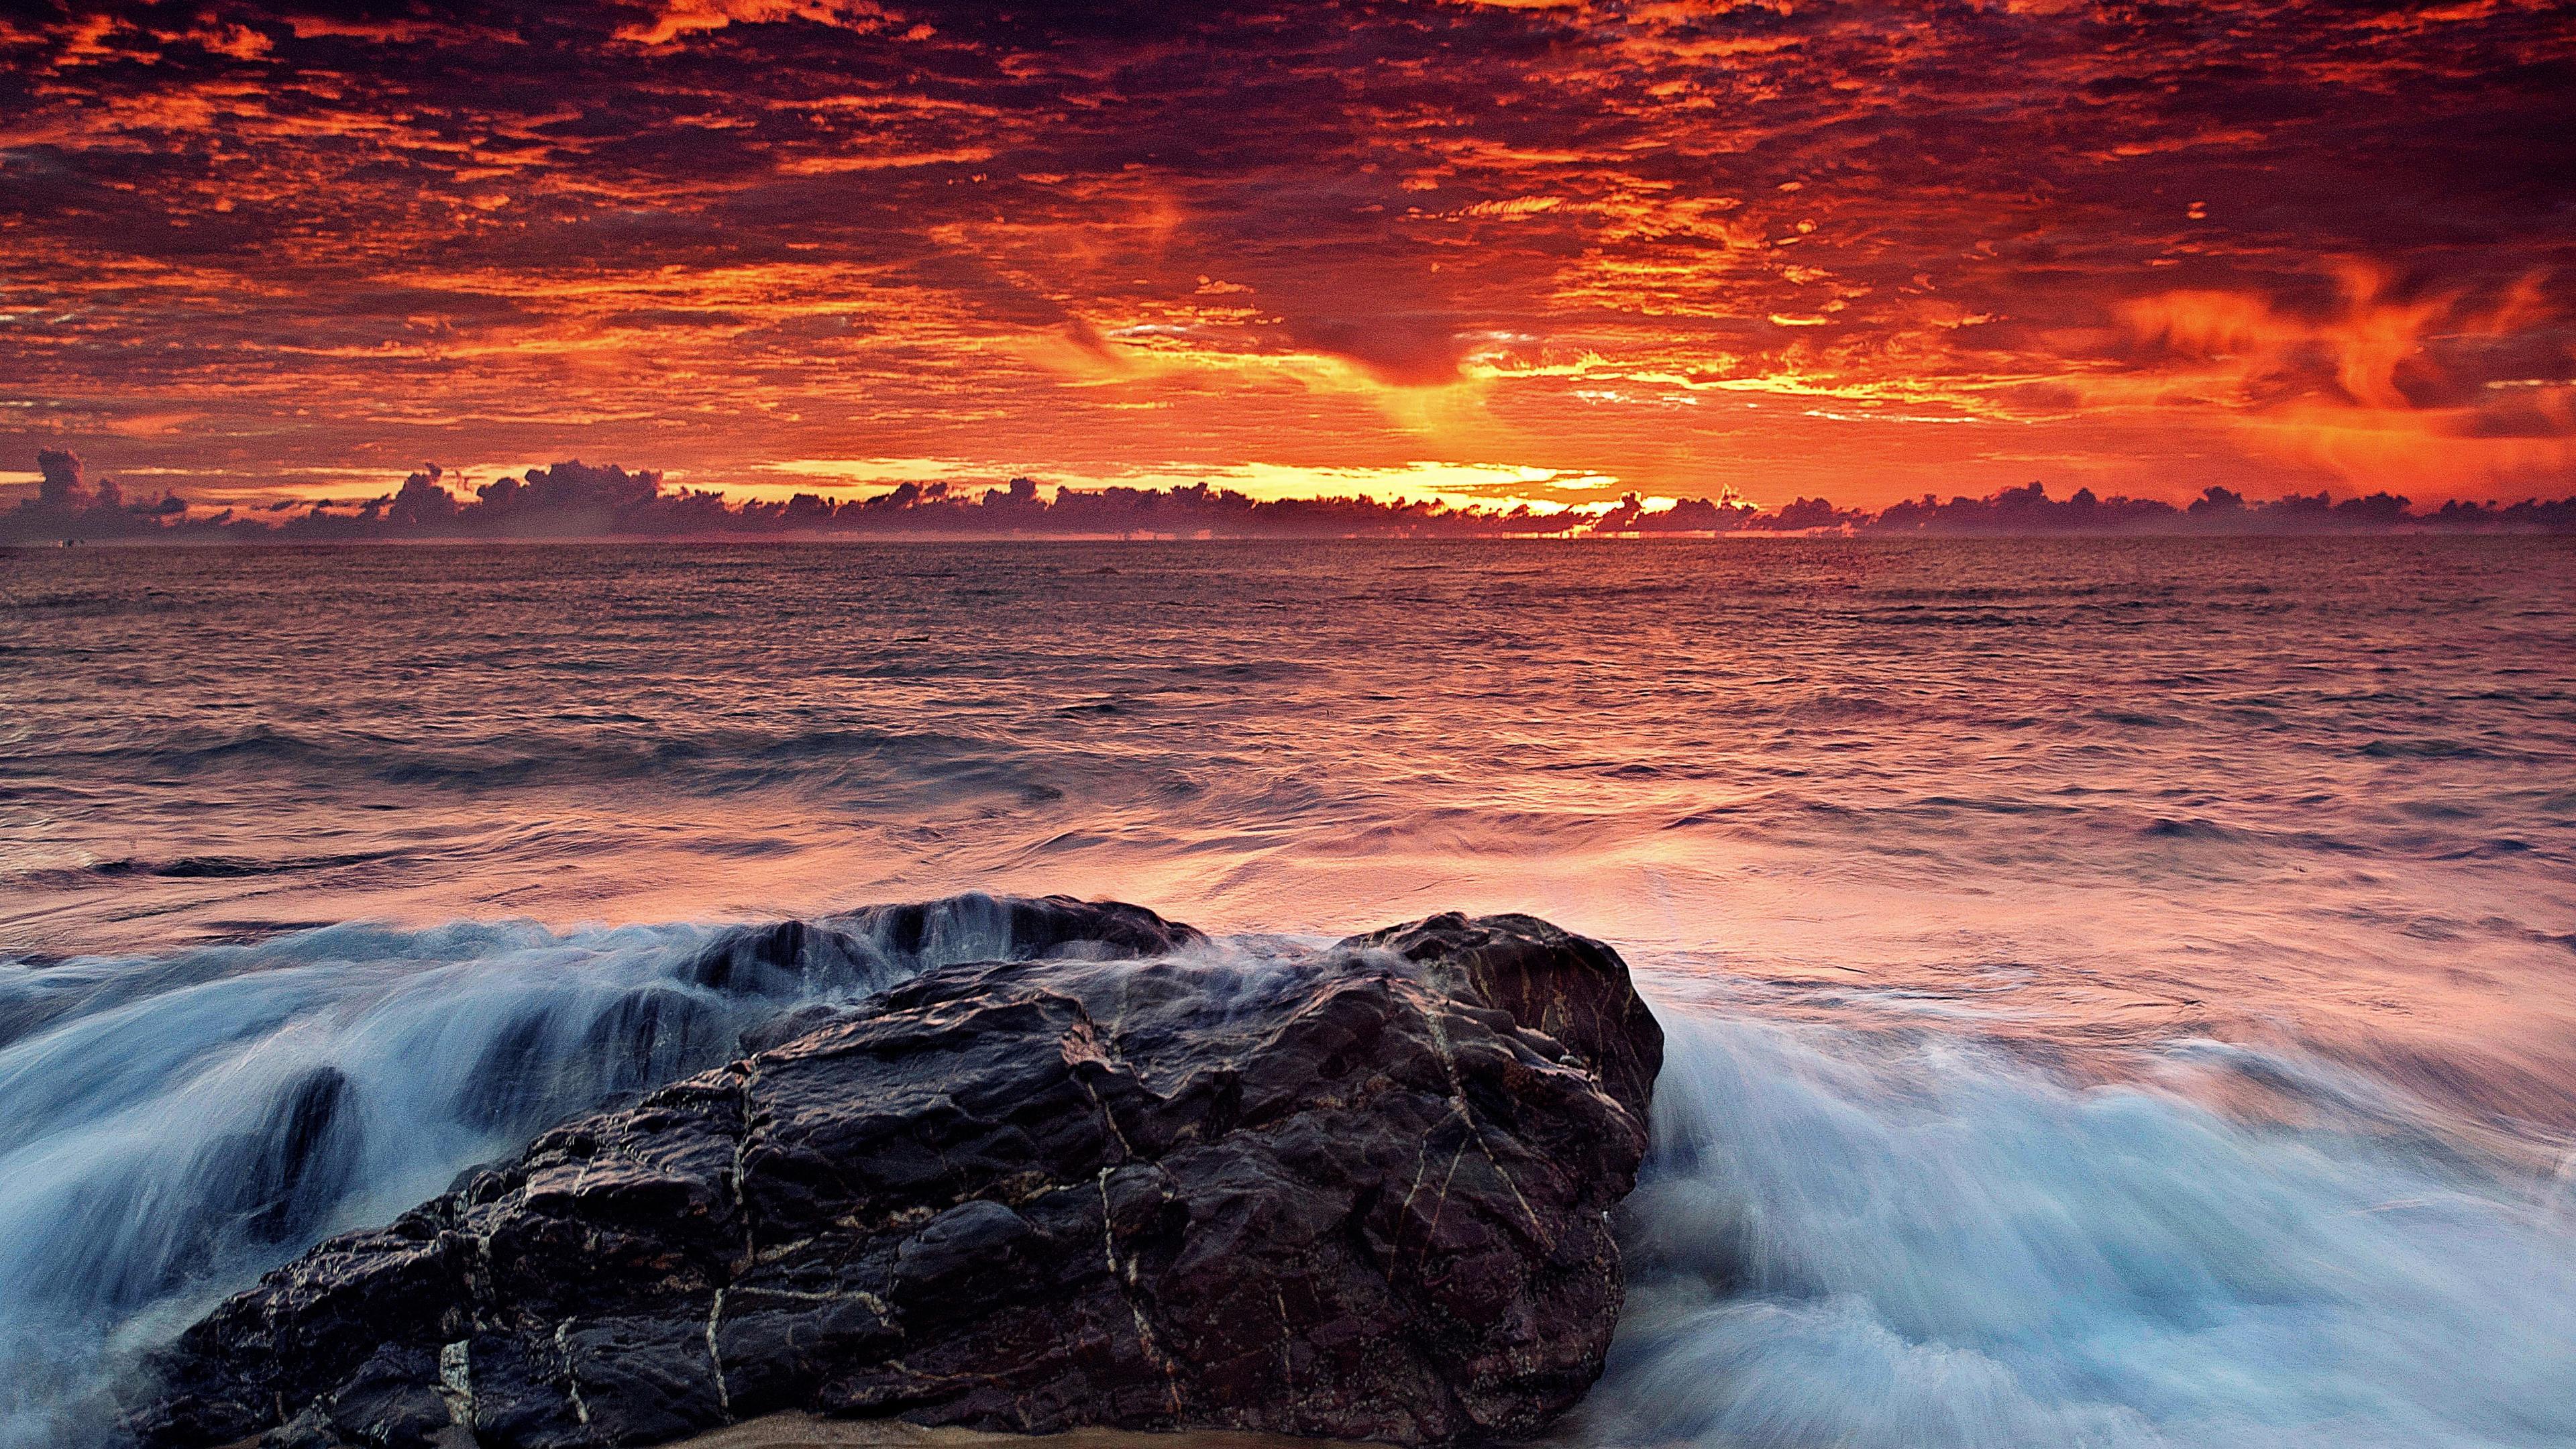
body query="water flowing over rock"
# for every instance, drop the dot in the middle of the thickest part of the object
(1140, 1181)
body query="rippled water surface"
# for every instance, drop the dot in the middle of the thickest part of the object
(2121, 990)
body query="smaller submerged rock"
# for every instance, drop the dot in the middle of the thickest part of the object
(1129, 1180)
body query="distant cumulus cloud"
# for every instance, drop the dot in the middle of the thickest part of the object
(575, 500)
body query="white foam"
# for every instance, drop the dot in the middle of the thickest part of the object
(1844, 1238)
(171, 1127)
(1851, 1241)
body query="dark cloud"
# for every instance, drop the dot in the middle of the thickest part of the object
(62, 487)
(69, 505)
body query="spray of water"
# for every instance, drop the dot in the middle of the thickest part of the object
(171, 1127)
(1848, 1240)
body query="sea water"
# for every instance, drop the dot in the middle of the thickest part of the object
(2119, 992)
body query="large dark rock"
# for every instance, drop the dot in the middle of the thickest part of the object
(1360, 1193)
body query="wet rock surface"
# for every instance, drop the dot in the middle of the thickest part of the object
(1130, 1179)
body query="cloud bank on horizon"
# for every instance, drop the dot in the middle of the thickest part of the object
(1794, 248)
(576, 500)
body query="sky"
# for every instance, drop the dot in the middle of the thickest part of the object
(1509, 252)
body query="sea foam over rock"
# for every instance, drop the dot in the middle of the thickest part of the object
(172, 1126)
(1867, 1237)
(1361, 1192)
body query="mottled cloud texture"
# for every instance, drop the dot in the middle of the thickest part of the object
(1789, 248)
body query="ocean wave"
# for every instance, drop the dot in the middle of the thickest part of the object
(172, 1126)
(2425, 749)
(705, 758)
(1912, 1243)
(211, 867)
(1863, 1237)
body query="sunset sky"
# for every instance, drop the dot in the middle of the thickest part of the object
(1527, 250)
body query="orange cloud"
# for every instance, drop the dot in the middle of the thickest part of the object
(1784, 248)
(677, 19)
(2383, 389)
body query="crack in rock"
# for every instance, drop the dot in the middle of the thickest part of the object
(456, 1383)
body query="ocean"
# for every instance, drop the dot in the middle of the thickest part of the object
(2122, 992)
